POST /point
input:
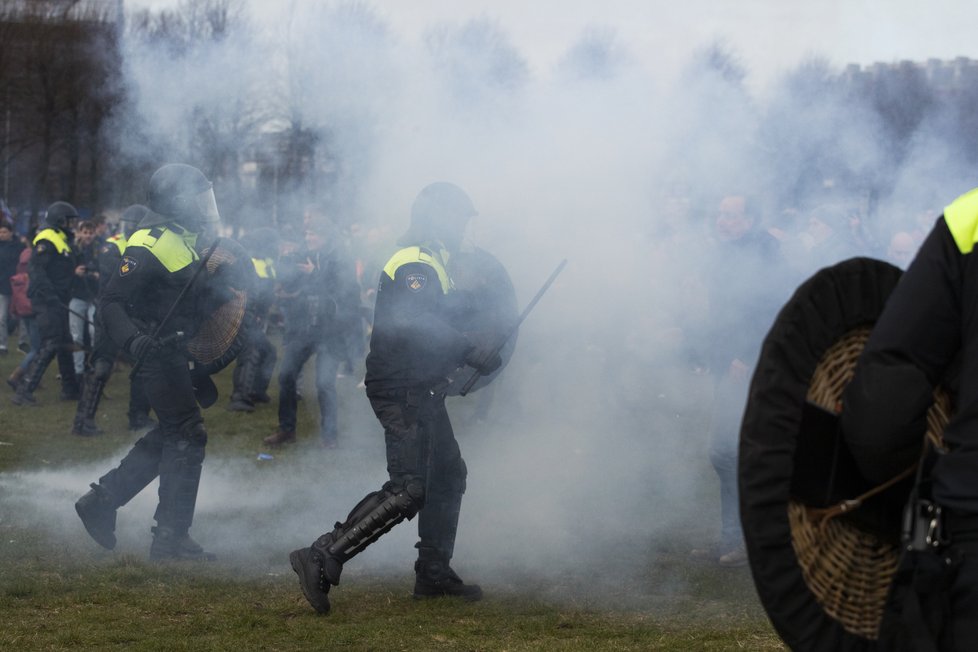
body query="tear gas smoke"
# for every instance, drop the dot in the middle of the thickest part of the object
(595, 448)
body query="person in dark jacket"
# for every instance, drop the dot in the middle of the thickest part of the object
(254, 367)
(322, 309)
(52, 271)
(927, 336)
(415, 347)
(84, 288)
(742, 272)
(150, 302)
(105, 350)
(10, 249)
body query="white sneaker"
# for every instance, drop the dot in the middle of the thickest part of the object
(734, 559)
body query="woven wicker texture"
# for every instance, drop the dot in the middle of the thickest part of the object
(217, 334)
(848, 571)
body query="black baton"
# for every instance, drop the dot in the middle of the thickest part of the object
(512, 331)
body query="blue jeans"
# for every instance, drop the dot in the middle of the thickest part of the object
(33, 338)
(297, 351)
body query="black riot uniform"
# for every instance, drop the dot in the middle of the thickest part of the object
(52, 271)
(414, 346)
(928, 335)
(253, 371)
(160, 260)
(105, 351)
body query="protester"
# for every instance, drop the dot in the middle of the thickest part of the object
(10, 249)
(84, 288)
(321, 300)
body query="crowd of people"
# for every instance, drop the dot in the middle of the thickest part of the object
(52, 279)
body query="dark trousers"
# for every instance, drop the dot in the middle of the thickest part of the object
(100, 365)
(174, 450)
(298, 350)
(56, 342)
(421, 448)
(254, 367)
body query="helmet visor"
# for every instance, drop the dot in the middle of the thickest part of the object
(207, 207)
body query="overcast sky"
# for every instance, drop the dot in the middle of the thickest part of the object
(769, 36)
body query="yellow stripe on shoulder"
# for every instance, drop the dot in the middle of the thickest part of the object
(419, 255)
(961, 217)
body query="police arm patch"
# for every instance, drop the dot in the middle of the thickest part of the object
(127, 265)
(416, 281)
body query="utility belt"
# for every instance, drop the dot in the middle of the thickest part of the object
(414, 396)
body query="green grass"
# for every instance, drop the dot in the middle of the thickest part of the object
(58, 590)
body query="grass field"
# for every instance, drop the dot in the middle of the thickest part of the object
(561, 568)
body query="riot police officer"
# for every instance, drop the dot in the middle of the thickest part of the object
(52, 271)
(105, 351)
(415, 345)
(145, 292)
(254, 367)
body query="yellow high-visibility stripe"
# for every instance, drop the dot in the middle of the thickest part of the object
(961, 217)
(55, 237)
(171, 249)
(419, 255)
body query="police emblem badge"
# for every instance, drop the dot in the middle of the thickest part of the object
(416, 281)
(127, 265)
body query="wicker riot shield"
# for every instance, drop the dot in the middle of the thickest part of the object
(822, 541)
(491, 308)
(223, 300)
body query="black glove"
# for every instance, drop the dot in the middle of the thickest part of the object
(484, 360)
(139, 346)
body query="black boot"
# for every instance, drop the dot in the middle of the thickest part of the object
(96, 509)
(308, 565)
(435, 578)
(84, 424)
(240, 404)
(168, 544)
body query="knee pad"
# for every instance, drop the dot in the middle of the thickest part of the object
(192, 442)
(102, 370)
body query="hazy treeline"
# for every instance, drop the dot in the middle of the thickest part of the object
(92, 103)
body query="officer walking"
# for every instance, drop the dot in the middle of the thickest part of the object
(159, 261)
(415, 345)
(105, 351)
(255, 365)
(322, 310)
(52, 271)
(927, 335)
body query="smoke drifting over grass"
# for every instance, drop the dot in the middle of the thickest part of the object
(595, 449)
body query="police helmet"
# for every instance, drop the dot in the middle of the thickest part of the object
(59, 214)
(131, 217)
(440, 211)
(181, 193)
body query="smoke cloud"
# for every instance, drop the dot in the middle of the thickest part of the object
(595, 449)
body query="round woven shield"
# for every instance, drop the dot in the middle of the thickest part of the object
(847, 568)
(223, 298)
(490, 309)
(822, 573)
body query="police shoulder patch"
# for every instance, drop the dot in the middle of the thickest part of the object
(127, 265)
(416, 281)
